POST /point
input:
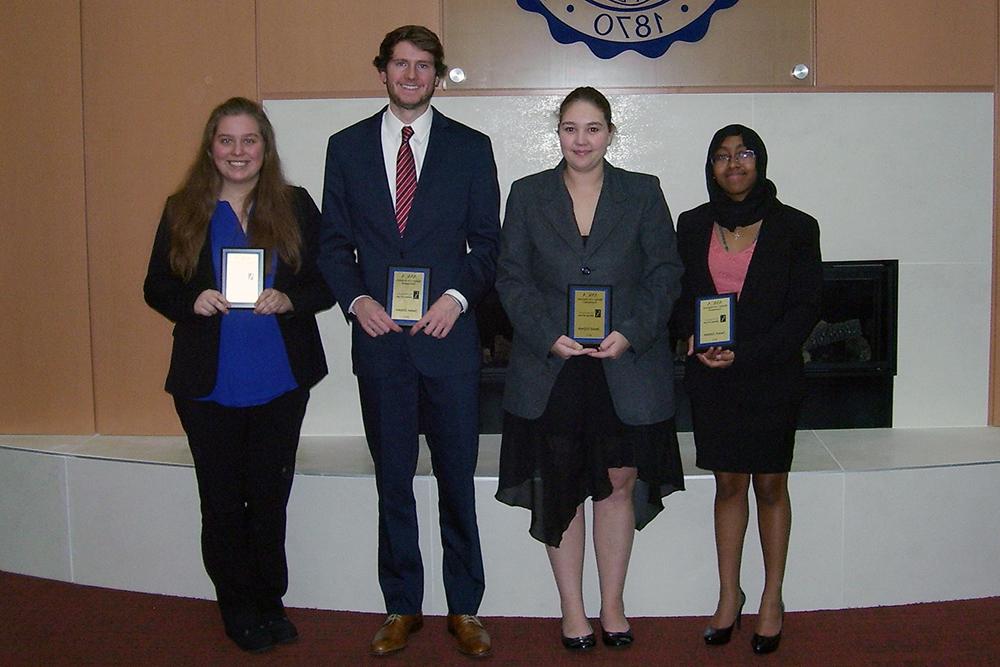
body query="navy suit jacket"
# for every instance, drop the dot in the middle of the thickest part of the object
(453, 229)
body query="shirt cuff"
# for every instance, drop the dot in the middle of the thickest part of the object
(350, 309)
(457, 296)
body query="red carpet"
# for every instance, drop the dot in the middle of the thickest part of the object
(55, 623)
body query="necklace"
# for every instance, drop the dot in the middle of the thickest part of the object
(737, 234)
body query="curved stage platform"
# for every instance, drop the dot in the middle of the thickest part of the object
(885, 516)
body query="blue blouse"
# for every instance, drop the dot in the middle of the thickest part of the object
(253, 363)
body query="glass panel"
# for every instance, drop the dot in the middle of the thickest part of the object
(857, 327)
(512, 44)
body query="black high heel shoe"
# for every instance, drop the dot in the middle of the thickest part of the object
(762, 644)
(720, 636)
(579, 643)
(617, 639)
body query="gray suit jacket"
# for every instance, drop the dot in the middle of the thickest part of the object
(631, 247)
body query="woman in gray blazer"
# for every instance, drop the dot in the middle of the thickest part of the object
(588, 421)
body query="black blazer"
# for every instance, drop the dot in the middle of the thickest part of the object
(195, 357)
(777, 309)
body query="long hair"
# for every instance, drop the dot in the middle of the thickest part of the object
(272, 225)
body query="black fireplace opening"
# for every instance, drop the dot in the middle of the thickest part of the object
(850, 357)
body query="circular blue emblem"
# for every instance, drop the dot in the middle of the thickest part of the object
(610, 27)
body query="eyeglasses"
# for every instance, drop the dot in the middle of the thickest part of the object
(744, 155)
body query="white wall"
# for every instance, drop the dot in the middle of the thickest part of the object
(888, 175)
(882, 516)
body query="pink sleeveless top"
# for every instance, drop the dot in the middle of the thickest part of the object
(728, 269)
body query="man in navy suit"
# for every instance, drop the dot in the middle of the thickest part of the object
(422, 377)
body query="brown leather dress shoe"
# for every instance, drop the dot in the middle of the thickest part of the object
(392, 636)
(471, 635)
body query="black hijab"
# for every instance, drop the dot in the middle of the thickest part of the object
(728, 212)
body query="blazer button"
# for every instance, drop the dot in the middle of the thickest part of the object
(585, 270)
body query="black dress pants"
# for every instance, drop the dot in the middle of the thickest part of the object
(244, 459)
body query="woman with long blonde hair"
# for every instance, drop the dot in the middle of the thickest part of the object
(240, 376)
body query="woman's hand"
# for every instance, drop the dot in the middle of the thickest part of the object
(565, 347)
(713, 357)
(716, 357)
(210, 302)
(612, 347)
(272, 302)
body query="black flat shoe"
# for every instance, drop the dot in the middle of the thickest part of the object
(720, 636)
(252, 640)
(617, 639)
(579, 643)
(282, 630)
(762, 644)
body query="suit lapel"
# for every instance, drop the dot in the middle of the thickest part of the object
(763, 255)
(610, 209)
(557, 209)
(371, 161)
(704, 240)
(432, 175)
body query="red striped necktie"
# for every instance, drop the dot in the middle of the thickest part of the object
(406, 180)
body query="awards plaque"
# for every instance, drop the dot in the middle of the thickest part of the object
(714, 321)
(242, 276)
(406, 300)
(588, 317)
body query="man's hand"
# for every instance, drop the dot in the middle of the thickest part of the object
(439, 318)
(372, 317)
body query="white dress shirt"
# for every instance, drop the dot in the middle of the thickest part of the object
(392, 138)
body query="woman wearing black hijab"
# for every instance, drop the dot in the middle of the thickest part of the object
(745, 396)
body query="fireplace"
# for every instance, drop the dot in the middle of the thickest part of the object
(850, 355)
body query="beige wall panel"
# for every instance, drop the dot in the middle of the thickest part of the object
(310, 48)
(907, 43)
(46, 384)
(503, 47)
(152, 72)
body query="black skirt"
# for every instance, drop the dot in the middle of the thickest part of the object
(550, 465)
(745, 439)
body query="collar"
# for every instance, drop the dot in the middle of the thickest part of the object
(612, 186)
(392, 126)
